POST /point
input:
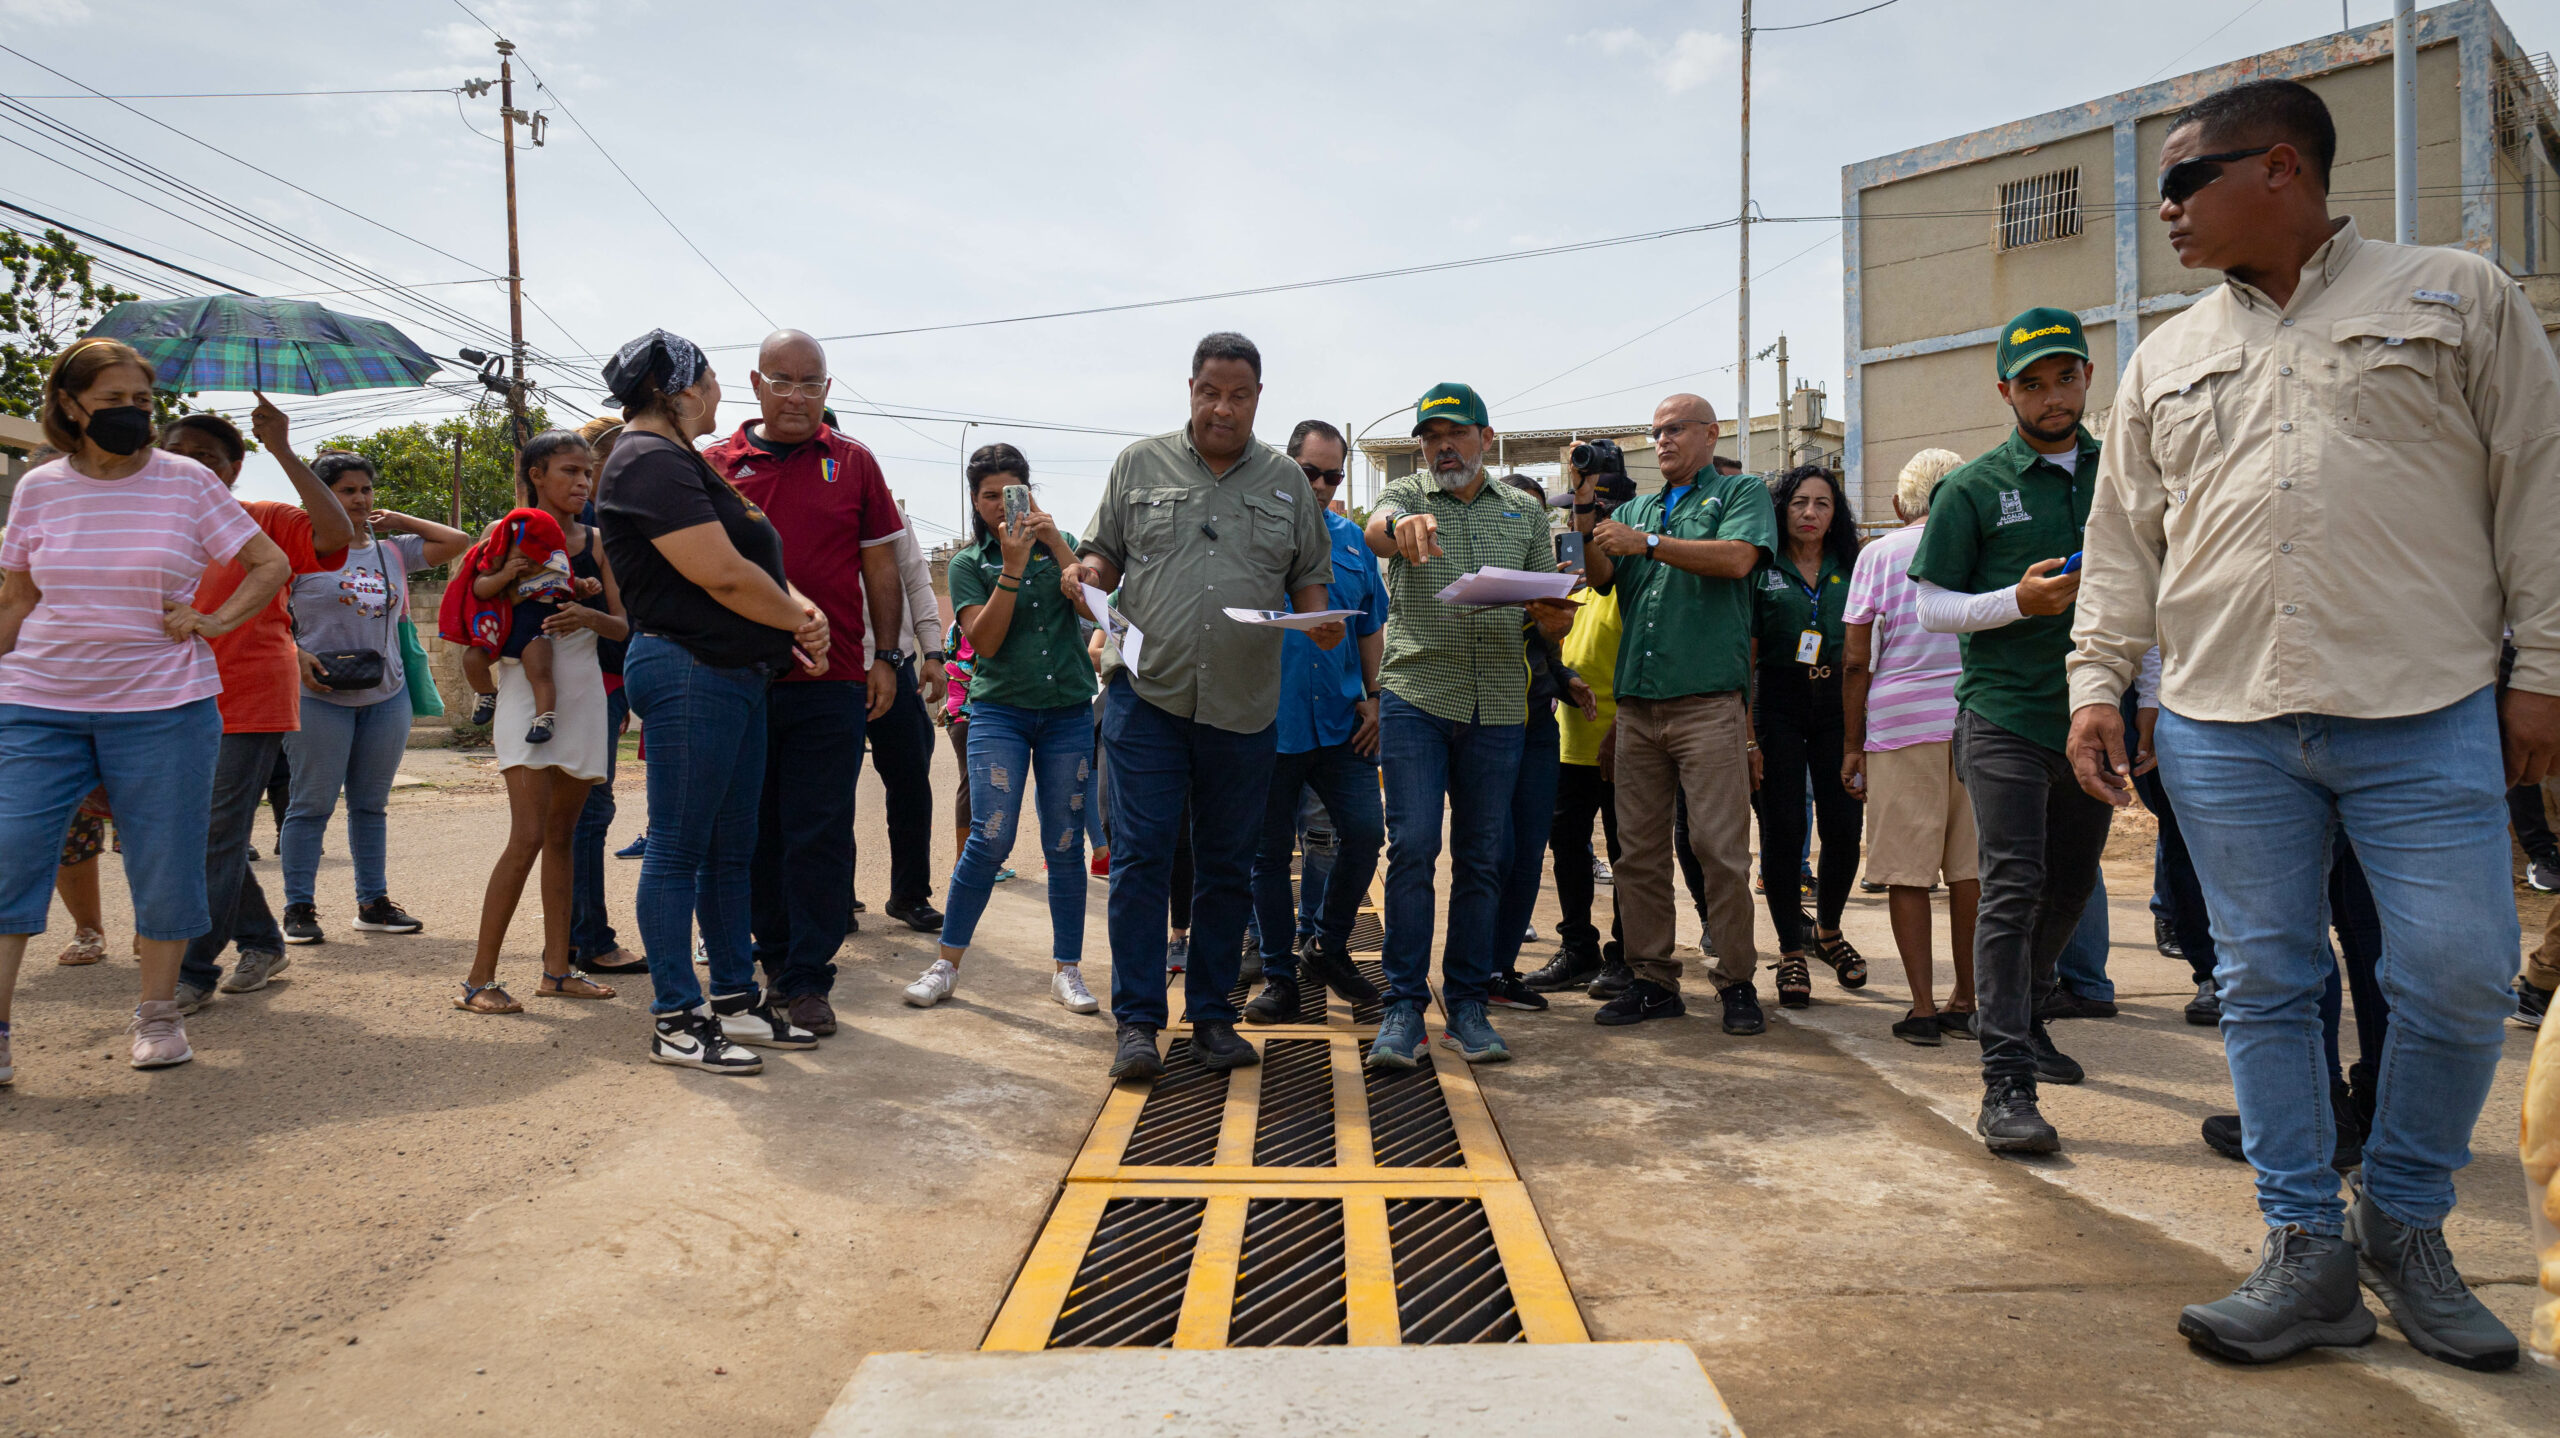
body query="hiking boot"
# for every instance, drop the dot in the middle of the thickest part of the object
(302, 924)
(2302, 1295)
(1643, 999)
(1510, 991)
(1400, 1038)
(2052, 1064)
(1326, 961)
(812, 1012)
(743, 1020)
(1216, 1046)
(2411, 1271)
(1921, 1029)
(1276, 1004)
(1569, 969)
(1475, 1037)
(1742, 1016)
(2067, 1003)
(2205, 1009)
(917, 914)
(256, 966)
(1611, 981)
(1249, 963)
(1136, 1056)
(692, 1038)
(160, 1041)
(2532, 1003)
(2010, 1122)
(381, 916)
(2165, 938)
(1067, 987)
(2222, 1135)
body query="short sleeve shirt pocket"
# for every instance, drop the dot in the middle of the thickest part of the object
(2400, 362)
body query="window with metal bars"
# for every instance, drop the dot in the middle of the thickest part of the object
(2040, 209)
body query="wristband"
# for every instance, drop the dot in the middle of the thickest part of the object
(1009, 588)
(935, 656)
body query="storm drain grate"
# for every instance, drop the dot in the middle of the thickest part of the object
(1409, 1123)
(1368, 933)
(1376, 1009)
(1293, 1127)
(1128, 1292)
(1289, 1285)
(1450, 1287)
(1179, 1125)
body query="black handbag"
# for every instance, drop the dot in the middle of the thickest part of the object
(349, 669)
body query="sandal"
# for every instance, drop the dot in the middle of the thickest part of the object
(556, 986)
(87, 946)
(1795, 982)
(488, 998)
(603, 964)
(1844, 960)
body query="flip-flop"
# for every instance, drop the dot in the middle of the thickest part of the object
(469, 1000)
(555, 986)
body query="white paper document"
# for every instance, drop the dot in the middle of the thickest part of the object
(1290, 619)
(1496, 585)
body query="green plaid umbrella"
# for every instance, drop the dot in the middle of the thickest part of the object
(229, 342)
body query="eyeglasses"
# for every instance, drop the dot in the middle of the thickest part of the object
(1321, 476)
(785, 389)
(2190, 175)
(1661, 432)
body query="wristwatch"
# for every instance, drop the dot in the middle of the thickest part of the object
(1652, 542)
(890, 657)
(935, 656)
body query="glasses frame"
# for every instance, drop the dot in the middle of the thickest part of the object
(1657, 433)
(1319, 476)
(804, 389)
(2214, 163)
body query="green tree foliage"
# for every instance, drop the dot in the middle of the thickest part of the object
(51, 300)
(416, 465)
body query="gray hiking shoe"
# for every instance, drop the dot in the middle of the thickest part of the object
(256, 966)
(191, 998)
(2412, 1272)
(2303, 1295)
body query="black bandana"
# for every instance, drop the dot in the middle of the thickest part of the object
(671, 362)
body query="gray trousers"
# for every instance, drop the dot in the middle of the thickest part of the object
(2041, 841)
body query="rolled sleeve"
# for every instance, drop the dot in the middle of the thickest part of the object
(2115, 618)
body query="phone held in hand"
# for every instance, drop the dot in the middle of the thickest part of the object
(1569, 551)
(2071, 565)
(1017, 503)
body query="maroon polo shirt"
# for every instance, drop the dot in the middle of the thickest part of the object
(828, 500)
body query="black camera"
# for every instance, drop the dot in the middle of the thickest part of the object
(1603, 462)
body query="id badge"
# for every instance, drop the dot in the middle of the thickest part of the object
(1809, 646)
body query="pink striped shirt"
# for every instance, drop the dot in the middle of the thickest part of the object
(108, 556)
(1912, 698)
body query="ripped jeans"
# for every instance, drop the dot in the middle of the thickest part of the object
(1010, 747)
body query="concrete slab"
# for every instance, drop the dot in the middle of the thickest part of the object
(1492, 1391)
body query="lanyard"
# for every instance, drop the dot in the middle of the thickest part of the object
(1812, 592)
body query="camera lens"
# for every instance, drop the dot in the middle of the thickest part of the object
(1584, 457)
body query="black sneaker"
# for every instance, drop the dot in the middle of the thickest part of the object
(2532, 1003)
(1510, 991)
(917, 914)
(692, 1039)
(2010, 1122)
(2222, 1135)
(1276, 1004)
(2165, 938)
(1216, 1046)
(484, 709)
(1643, 999)
(1957, 1023)
(2052, 1064)
(1136, 1057)
(1742, 1016)
(540, 731)
(382, 916)
(2302, 1295)
(2205, 1009)
(1921, 1029)
(302, 924)
(1567, 970)
(1325, 960)
(2067, 1003)
(2543, 874)
(1611, 981)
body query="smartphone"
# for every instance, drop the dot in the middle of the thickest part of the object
(1017, 503)
(1569, 551)
(2071, 565)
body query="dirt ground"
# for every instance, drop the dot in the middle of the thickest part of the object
(360, 1212)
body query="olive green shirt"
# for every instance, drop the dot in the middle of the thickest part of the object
(1989, 519)
(1461, 663)
(1189, 544)
(1781, 611)
(1685, 633)
(1042, 663)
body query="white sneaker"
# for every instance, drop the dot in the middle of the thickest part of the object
(692, 1039)
(1067, 987)
(935, 986)
(760, 1026)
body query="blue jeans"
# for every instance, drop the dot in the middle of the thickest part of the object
(803, 886)
(1319, 849)
(591, 933)
(1533, 821)
(1474, 767)
(157, 765)
(352, 747)
(235, 903)
(1347, 782)
(706, 772)
(1010, 746)
(2083, 964)
(1156, 759)
(2423, 799)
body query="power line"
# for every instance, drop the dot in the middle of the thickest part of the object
(2200, 44)
(237, 94)
(1666, 324)
(123, 249)
(1817, 24)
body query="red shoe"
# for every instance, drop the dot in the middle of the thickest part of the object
(1102, 863)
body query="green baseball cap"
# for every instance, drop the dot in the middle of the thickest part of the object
(2035, 334)
(1457, 403)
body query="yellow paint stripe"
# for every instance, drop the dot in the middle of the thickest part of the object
(1236, 1123)
(1479, 1142)
(1109, 1137)
(1350, 1107)
(1030, 1311)
(1368, 1273)
(1547, 1310)
(1210, 1297)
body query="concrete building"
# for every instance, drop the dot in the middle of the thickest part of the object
(1814, 435)
(1945, 242)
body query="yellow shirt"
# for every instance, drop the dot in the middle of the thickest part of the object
(1591, 650)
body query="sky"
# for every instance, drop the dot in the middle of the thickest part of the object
(848, 168)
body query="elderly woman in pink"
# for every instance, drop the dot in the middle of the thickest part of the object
(105, 676)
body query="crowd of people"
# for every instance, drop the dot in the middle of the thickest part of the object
(2293, 603)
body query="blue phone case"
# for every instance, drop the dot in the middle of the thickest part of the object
(2071, 565)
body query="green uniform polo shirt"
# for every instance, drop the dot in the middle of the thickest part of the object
(1462, 664)
(1686, 634)
(1988, 521)
(1190, 544)
(1042, 663)
(1781, 611)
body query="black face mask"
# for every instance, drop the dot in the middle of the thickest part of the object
(119, 429)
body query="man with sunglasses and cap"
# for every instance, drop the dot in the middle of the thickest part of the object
(2329, 485)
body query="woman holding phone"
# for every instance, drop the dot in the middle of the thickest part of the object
(713, 622)
(1030, 719)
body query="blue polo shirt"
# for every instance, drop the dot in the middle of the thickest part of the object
(1318, 687)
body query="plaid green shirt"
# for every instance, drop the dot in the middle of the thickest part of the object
(1459, 664)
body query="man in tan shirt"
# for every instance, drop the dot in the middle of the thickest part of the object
(2327, 486)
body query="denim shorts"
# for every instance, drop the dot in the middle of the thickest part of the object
(157, 767)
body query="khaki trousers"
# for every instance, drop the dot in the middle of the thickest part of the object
(1667, 747)
(2542, 966)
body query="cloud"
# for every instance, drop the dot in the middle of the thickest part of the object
(1689, 60)
(45, 12)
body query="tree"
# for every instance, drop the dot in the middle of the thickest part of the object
(415, 462)
(52, 299)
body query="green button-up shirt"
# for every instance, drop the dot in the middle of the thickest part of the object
(1781, 610)
(1988, 521)
(1462, 664)
(1042, 663)
(1687, 634)
(1188, 544)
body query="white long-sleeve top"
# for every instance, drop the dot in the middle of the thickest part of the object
(1951, 611)
(922, 630)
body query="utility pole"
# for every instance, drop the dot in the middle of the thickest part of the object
(1742, 348)
(1786, 407)
(2404, 121)
(457, 477)
(508, 115)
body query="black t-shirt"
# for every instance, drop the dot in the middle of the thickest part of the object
(653, 486)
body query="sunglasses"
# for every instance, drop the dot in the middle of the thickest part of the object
(1321, 476)
(2190, 175)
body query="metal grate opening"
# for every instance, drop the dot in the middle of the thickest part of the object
(1376, 972)
(1409, 1124)
(1179, 1124)
(1368, 933)
(1293, 1125)
(1450, 1287)
(1289, 1285)
(1128, 1293)
(2040, 209)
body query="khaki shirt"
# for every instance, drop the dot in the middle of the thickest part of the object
(2331, 507)
(1190, 544)
(1462, 664)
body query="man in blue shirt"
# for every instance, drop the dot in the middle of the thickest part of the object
(1328, 742)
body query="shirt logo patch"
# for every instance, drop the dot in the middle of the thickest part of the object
(2437, 297)
(1774, 582)
(1284, 496)
(827, 470)
(2013, 509)
(747, 472)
